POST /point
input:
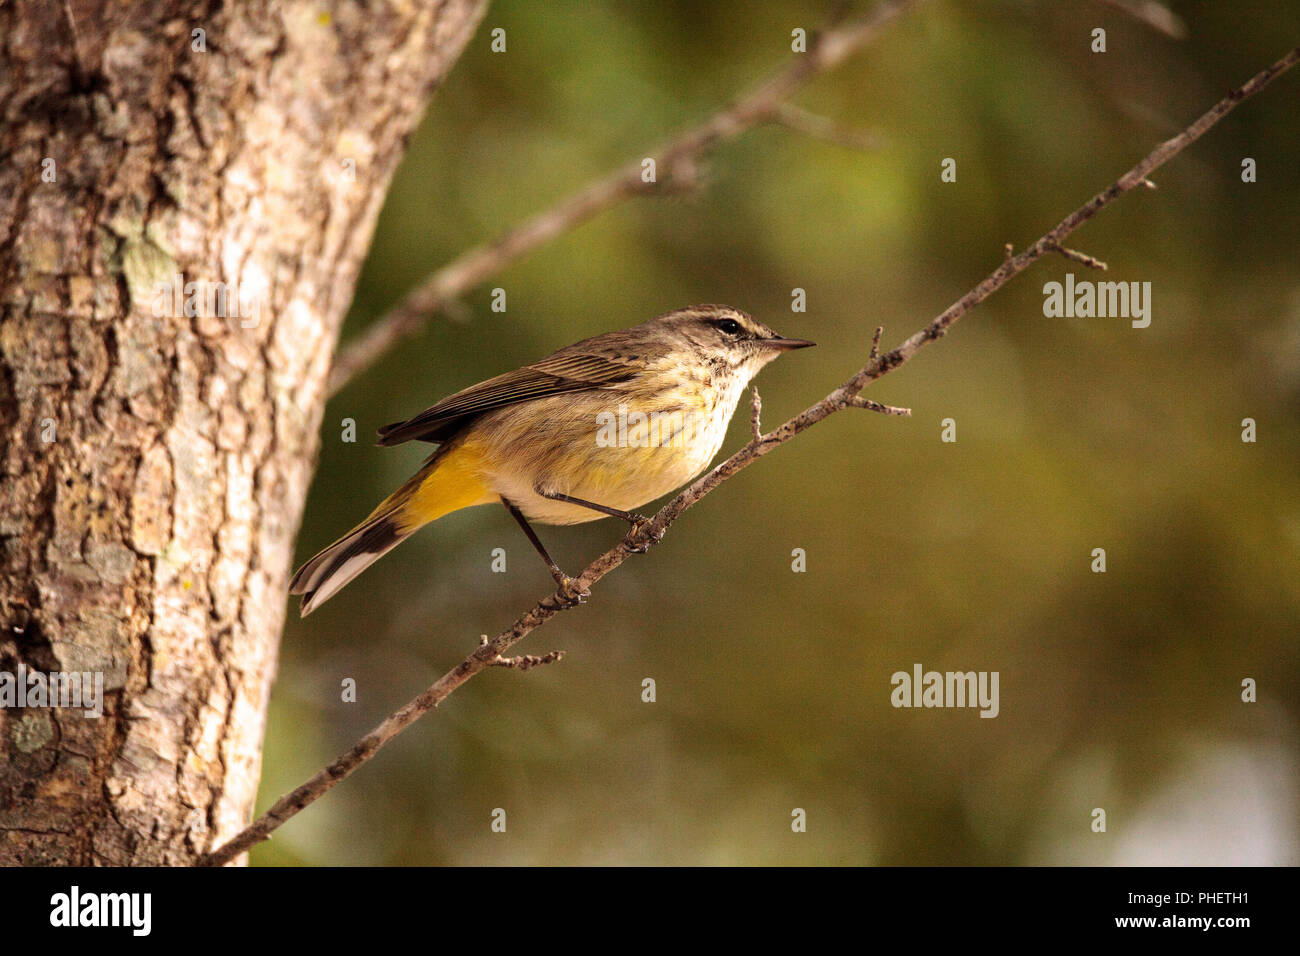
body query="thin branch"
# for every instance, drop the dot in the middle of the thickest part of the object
(1153, 14)
(677, 160)
(72, 25)
(820, 127)
(1089, 261)
(528, 661)
(857, 401)
(755, 414)
(524, 661)
(644, 536)
(80, 74)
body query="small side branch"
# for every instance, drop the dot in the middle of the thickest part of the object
(820, 127)
(857, 401)
(756, 414)
(526, 662)
(1155, 15)
(1087, 260)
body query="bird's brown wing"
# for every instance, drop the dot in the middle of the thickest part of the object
(568, 370)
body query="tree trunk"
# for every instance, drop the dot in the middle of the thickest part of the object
(159, 438)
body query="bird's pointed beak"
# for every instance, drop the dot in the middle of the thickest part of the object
(786, 345)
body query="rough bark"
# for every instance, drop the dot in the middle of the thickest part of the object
(154, 466)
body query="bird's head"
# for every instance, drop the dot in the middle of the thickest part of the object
(721, 336)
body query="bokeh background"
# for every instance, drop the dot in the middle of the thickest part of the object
(1119, 690)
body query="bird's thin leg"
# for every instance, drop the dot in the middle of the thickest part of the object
(561, 578)
(631, 517)
(568, 595)
(637, 522)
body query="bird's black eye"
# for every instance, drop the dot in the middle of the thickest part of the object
(728, 326)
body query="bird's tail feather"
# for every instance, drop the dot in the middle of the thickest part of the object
(324, 575)
(448, 481)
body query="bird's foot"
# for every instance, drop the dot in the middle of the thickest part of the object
(639, 537)
(568, 594)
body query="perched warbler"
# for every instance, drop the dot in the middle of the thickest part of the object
(596, 429)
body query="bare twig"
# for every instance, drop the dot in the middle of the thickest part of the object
(857, 401)
(819, 127)
(72, 25)
(1153, 14)
(528, 661)
(1089, 261)
(524, 661)
(875, 342)
(646, 535)
(80, 74)
(677, 160)
(755, 414)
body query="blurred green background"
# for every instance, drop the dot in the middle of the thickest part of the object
(1119, 690)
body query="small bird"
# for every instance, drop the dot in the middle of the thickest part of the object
(594, 430)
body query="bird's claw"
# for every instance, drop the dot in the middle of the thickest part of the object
(638, 531)
(569, 594)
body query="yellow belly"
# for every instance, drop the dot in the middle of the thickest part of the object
(616, 450)
(614, 453)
